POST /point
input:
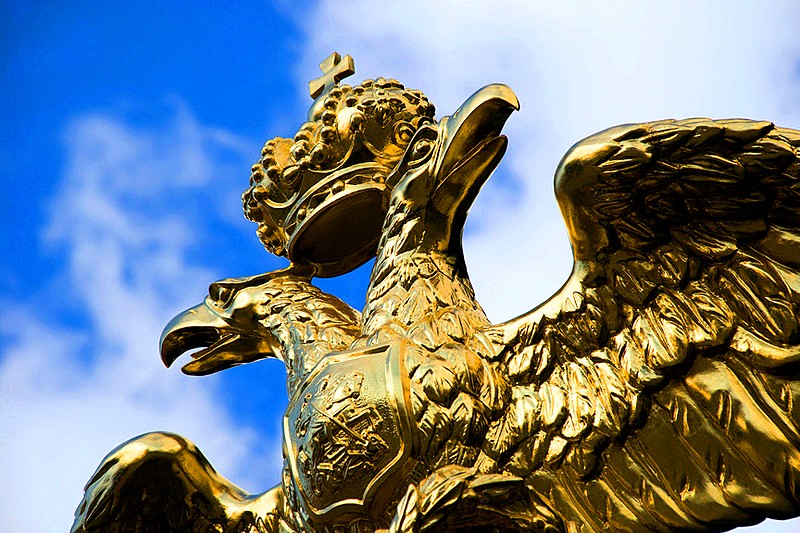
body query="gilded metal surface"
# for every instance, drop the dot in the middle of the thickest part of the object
(657, 390)
(347, 432)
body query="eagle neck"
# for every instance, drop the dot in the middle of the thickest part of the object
(307, 324)
(412, 281)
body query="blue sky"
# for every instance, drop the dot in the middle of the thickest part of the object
(128, 133)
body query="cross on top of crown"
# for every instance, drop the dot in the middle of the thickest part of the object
(334, 69)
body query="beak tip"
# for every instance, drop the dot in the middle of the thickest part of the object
(166, 346)
(502, 93)
(166, 356)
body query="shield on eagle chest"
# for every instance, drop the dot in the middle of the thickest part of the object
(348, 432)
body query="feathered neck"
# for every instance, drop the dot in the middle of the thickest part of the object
(307, 323)
(411, 282)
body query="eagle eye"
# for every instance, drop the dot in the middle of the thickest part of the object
(221, 294)
(419, 153)
(420, 150)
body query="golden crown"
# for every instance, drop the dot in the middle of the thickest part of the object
(321, 197)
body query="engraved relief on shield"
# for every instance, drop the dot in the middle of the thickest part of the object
(337, 434)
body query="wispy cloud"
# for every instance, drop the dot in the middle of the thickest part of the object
(132, 207)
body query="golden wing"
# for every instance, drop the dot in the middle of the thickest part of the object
(660, 388)
(160, 482)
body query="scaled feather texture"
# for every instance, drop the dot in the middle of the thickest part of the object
(657, 388)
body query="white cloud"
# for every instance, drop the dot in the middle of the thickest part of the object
(578, 68)
(127, 214)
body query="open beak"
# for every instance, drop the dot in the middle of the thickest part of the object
(223, 346)
(223, 325)
(471, 148)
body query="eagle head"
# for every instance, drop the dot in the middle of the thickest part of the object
(279, 314)
(446, 164)
(225, 326)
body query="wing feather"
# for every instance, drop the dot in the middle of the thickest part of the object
(126, 491)
(160, 482)
(659, 387)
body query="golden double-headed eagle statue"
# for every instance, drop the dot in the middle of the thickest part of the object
(658, 389)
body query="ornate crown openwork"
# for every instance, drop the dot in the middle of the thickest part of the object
(321, 197)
